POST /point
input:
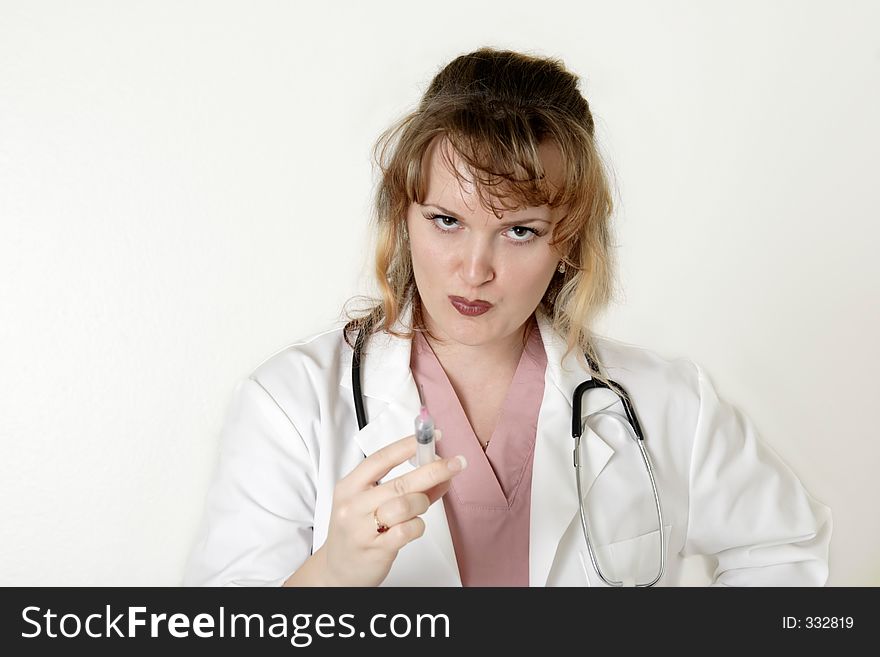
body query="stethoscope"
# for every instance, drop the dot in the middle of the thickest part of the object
(576, 431)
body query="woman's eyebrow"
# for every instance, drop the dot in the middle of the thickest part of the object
(516, 222)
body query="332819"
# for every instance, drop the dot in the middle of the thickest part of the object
(829, 622)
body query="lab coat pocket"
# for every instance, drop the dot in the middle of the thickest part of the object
(633, 560)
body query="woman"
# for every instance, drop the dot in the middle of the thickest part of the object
(493, 259)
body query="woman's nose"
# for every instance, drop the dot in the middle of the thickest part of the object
(477, 264)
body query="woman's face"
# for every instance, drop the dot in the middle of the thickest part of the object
(465, 251)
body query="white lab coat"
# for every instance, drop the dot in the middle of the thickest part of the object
(291, 432)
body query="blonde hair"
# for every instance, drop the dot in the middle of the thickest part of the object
(494, 107)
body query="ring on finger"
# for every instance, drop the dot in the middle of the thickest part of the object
(381, 528)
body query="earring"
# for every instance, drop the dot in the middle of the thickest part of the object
(561, 268)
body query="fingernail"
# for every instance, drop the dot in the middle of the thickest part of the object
(458, 463)
(438, 434)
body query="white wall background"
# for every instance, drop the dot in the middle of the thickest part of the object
(185, 187)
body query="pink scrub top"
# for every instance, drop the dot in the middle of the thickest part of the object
(487, 506)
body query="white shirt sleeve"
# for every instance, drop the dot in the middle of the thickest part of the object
(258, 519)
(747, 508)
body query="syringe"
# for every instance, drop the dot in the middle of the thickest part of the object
(424, 435)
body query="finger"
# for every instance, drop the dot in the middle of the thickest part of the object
(402, 508)
(381, 462)
(399, 535)
(419, 480)
(437, 491)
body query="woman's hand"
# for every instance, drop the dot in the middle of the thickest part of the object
(355, 553)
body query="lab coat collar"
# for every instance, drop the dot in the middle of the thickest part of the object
(386, 376)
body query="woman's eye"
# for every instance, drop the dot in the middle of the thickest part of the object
(526, 236)
(440, 221)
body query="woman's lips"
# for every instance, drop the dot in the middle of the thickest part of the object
(470, 308)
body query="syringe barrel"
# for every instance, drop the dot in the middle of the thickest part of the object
(424, 430)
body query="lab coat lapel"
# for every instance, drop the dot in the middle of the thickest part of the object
(391, 400)
(554, 489)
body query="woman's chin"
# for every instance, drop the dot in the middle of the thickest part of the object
(468, 331)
